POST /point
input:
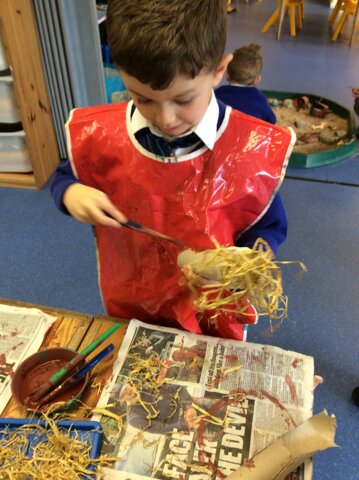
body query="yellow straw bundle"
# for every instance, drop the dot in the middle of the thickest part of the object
(57, 454)
(225, 279)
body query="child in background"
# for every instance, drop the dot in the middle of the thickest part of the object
(355, 92)
(243, 75)
(174, 159)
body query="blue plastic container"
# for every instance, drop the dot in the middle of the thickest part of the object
(86, 431)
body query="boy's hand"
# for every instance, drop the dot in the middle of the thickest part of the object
(90, 205)
(206, 263)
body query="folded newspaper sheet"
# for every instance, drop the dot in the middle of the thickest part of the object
(22, 331)
(213, 405)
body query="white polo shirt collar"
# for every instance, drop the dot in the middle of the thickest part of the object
(206, 129)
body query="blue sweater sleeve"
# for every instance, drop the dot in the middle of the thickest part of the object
(270, 115)
(272, 227)
(63, 178)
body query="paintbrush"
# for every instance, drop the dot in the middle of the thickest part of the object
(69, 367)
(72, 380)
(142, 228)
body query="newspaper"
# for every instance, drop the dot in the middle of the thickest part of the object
(22, 332)
(218, 403)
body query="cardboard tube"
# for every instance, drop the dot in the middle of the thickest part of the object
(205, 263)
(284, 455)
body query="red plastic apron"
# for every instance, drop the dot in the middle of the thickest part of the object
(218, 193)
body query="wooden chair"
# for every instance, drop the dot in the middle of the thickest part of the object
(230, 8)
(349, 7)
(296, 15)
(338, 6)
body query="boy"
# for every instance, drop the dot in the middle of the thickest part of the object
(173, 159)
(244, 74)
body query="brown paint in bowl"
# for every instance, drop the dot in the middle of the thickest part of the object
(36, 370)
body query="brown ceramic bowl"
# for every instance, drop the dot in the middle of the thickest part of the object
(37, 369)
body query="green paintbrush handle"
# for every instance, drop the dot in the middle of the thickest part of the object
(86, 351)
(99, 340)
(69, 367)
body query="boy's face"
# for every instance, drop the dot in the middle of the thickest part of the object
(181, 106)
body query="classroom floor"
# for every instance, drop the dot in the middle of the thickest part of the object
(48, 258)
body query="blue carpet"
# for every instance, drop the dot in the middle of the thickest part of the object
(345, 172)
(48, 258)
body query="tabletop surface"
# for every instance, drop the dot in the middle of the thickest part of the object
(75, 330)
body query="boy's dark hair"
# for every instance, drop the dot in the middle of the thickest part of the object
(157, 40)
(246, 65)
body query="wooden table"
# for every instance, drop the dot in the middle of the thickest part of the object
(74, 330)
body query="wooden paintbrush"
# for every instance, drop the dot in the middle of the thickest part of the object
(69, 367)
(142, 228)
(72, 380)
